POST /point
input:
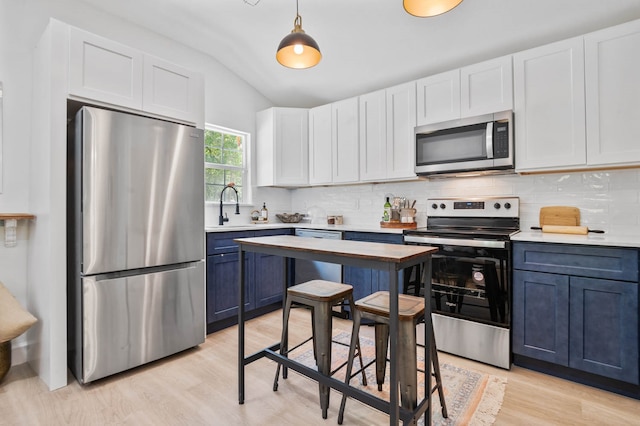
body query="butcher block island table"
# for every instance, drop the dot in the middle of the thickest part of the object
(392, 258)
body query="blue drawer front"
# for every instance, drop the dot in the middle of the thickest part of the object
(222, 242)
(585, 261)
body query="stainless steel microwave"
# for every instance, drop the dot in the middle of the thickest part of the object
(475, 145)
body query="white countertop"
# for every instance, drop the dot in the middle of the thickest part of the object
(613, 240)
(607, 239)
(343, 228)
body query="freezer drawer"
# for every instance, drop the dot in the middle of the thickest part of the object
(137, 319)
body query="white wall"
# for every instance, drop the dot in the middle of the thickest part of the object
(608, 200)
(229, 102)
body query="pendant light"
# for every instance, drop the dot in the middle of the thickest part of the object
(298, 50)
(427, 8)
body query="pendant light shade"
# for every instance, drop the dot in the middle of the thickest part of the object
(427, 8)
(298, 49)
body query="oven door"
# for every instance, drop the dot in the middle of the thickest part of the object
(472, 283)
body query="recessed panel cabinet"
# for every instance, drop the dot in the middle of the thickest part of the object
(263, 286)
(320, 167)
(109, 72)
(577, 307)
(482, 88)
(104, 70)
(366, 281)
(333, 143)
(576, 102)
(612, 67)
(387, 141)
(549, 106)
(282, 147)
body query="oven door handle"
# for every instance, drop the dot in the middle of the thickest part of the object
(455, 242)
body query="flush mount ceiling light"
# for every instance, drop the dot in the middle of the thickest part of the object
(298, 50)
(427, 8)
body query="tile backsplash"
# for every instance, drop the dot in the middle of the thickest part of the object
(608, 200)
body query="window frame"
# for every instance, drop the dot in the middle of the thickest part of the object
(245, 169)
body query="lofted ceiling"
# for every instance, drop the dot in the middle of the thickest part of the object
(366, 44)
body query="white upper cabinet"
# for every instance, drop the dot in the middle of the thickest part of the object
(320, 167)
(576, 102)
(401, 123)
(111, 73)
(333, 143)
(481, 88)
(612, 73)
(171, 90)
(345, 147)
(438, 97)
(550, 106)
(373, 136)
(104, 70)
(282, 147)
(387, 141)
(486, 87)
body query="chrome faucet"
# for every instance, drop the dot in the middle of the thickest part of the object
(222, 219)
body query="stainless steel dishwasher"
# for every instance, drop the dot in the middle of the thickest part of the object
(307, 270)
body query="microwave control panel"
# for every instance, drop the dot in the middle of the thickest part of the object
(501, 140)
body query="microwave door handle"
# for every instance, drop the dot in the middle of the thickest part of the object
(489, 139)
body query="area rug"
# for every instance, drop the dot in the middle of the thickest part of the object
(472, 397)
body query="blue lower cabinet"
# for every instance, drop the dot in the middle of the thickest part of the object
(366, 281)
(264, 283)
(540, 316)
(577, 307)
(222, 286)
(603, 330)
(270, 271)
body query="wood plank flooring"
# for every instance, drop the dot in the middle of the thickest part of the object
(199, 387)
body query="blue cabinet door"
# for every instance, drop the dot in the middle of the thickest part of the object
(269, 272)
(540, 316)
(222, 286)
(366, 281)
(604, 327)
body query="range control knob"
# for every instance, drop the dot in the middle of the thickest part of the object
(443, 206)
(496, 206)
(434, 206)
(507, 206)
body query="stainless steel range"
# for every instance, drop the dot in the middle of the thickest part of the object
(471, 274)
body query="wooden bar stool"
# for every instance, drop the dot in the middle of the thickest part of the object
(320, 296)
(375, 307)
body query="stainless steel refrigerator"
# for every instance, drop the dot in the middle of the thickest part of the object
(135, 246)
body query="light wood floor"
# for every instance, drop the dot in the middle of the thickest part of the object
(199, 387)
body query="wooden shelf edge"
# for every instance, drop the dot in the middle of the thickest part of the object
(19, 216)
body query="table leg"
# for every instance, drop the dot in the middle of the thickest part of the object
(394, 410)
(241, 326)
(428, 337)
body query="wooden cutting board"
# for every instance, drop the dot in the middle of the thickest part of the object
(560, 215)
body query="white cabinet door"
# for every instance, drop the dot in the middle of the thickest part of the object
(612, 67)
(486, 87)
(373, 136)
(438, 97)
(401, 123)
(320, 145)
(345, 141)
(282, 147)
(549, 106)
(172, 91)
(104, 70)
